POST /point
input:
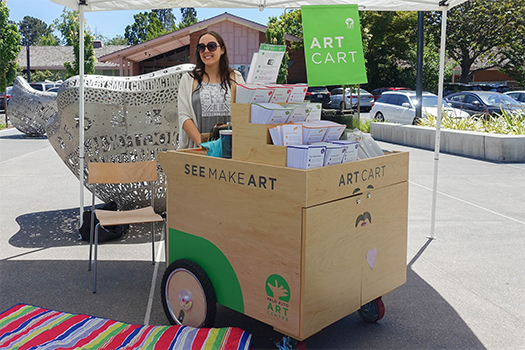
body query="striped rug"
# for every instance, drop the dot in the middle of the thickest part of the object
(29, 327)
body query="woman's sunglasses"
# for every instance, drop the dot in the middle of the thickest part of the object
(212, 46)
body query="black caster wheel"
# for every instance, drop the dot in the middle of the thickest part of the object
(188, 297)
(372, 311)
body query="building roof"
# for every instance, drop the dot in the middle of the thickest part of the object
(178, 38)
(53, 57)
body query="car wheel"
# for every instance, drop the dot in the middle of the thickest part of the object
(342, 106)
(416, 121)
(379, 117)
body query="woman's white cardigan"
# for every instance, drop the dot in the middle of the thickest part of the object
(185, 107)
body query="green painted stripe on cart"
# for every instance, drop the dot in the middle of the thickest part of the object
(211, 259)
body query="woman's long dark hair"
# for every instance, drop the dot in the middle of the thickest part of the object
(224, 63)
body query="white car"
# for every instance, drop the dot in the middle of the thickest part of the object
(346, 100)
(400, 107)
(517, 95)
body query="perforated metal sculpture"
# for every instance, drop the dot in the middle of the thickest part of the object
(126, 119)
(29, 110)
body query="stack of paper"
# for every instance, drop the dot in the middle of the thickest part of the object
(352, 148)
(253, 93)
(334, 130)
(313, 132)
(286, 134)
(315, 113)
(335, 153)
(280, 94)
(299, 113)
(305, 156)
(298, 93)
(269, 113)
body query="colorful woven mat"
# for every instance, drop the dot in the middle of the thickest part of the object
(30, 327)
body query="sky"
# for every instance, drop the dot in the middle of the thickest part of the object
(112, 23)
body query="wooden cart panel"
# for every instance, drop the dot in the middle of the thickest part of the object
(354, 256)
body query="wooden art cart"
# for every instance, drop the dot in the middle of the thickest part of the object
(296, 249)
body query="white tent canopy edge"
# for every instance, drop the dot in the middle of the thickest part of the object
(364, 5)
(369, 5)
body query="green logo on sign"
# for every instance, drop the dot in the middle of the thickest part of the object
(277, 288)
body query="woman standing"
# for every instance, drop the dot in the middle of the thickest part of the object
(205, 93)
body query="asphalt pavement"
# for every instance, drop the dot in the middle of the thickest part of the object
(465, 289)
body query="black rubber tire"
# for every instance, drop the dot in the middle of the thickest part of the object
(379, 117)
(372, 311)
(188, 269)
(416, 121)
(342, 106)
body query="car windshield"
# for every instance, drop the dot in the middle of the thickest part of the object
(429, 101)
(354, 91)
(317, 89)
(497, 99)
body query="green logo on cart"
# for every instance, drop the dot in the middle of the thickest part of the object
(277, 288)
(278, 296)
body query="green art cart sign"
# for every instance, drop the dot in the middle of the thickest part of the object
(332, 45)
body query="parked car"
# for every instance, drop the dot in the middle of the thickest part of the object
(350, 99)
(43, 85)
(450, 88)
(377, 92)
(6, 100)
(492, 87)
(517, 95)
(483, 102)
(400, 107)
(319, 94)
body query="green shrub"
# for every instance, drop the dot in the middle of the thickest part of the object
(506, 123)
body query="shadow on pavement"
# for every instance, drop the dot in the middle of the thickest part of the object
(24, 137)
(417, 317)
(58, 228)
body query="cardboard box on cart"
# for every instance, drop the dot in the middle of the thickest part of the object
(296, 249)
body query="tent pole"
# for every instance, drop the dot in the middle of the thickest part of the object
(81, 107)
(438, 119)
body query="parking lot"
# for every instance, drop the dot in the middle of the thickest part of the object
(464, 290)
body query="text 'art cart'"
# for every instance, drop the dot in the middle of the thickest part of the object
(296, 249)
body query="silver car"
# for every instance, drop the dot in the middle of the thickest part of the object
(400, 107)
(517, 95)
(349, 99)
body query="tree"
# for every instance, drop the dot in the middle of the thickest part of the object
(68, 26)
(275, 35)
(32, 30)
(189, 17)
(514, 63)
(147, 26)
(48, 40)
(389, 42)
(43, 75)
(167, 18)
(9, 49)
(293, 25)
(117, 40)
(276, 30)
(478, 30)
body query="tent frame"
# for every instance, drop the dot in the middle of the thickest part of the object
(369, 5)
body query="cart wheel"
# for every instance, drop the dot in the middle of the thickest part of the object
(372, 311)
(188, 297)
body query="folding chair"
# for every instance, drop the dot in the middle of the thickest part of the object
(119, 173)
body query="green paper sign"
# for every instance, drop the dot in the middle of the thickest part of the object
(333, 46)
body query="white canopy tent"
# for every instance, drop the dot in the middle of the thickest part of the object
(364, 5)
